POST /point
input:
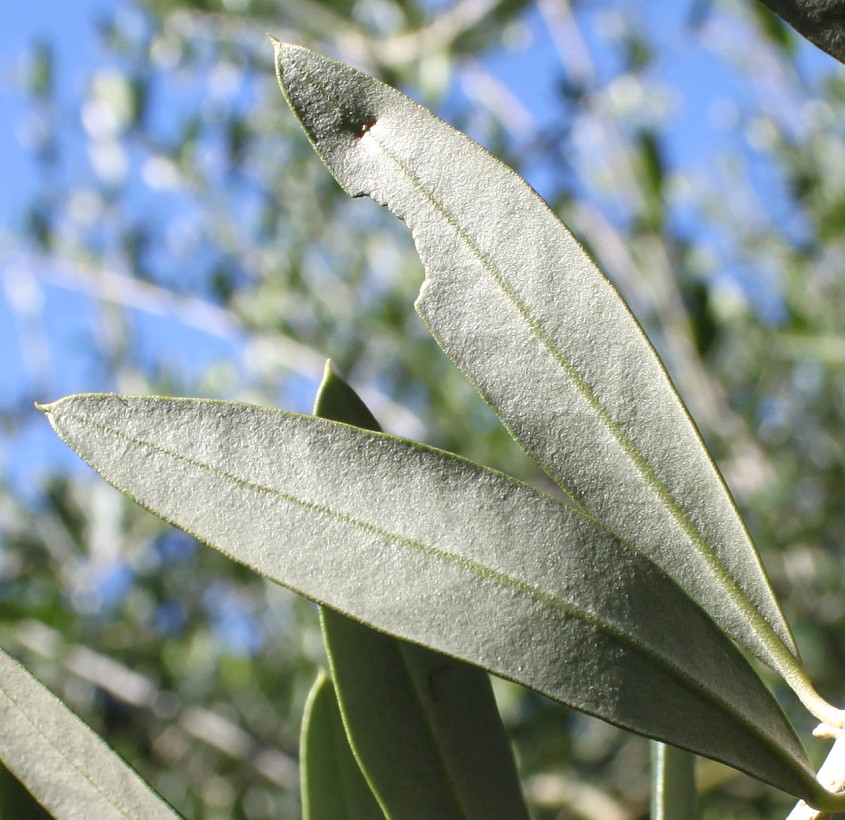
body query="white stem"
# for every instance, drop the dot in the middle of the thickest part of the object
(831, 775)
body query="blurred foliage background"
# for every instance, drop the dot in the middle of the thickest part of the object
(183, 238)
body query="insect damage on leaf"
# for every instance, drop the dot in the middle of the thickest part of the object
(522, 310)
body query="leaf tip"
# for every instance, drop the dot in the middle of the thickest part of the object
(286, 53)
(51, 408)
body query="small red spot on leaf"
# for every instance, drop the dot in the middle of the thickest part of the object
(365, 127)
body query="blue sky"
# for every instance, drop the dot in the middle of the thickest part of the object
(42, 343)
(47, 321)
(69, 28)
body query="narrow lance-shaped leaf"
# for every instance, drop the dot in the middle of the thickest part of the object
(66, 766)
(822, 22)
(522, 310)
(442, 552)
(424, 726)
(333, 787)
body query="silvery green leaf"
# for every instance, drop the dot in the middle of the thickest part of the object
(822, 22)
(65, 765)
(333, 787)
(523, 311)
(439, 551)
(424, 726)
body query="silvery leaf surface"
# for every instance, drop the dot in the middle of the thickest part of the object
(520, 307)
(439, 551)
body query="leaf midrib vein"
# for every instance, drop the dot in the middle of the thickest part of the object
(780, 653)
(700, 544)
(472, 566)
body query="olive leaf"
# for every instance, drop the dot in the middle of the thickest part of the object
(65, 765)
(333, 787)
(822, 22)
(424, 726)
(437, 550)
(523, 311)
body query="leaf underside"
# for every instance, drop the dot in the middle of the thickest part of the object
(521, 309)
(442, 552)
(65, 765)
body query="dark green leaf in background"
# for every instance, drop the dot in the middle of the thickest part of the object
(333, 787)
(672, 783)
(821, 21)
(337, 401)
(424, 726)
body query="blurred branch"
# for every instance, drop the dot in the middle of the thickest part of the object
(438, 35)
(355, 44)
(189, 311)
(569, 43)
(557, 791)
(488, 91)
(824, 348)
